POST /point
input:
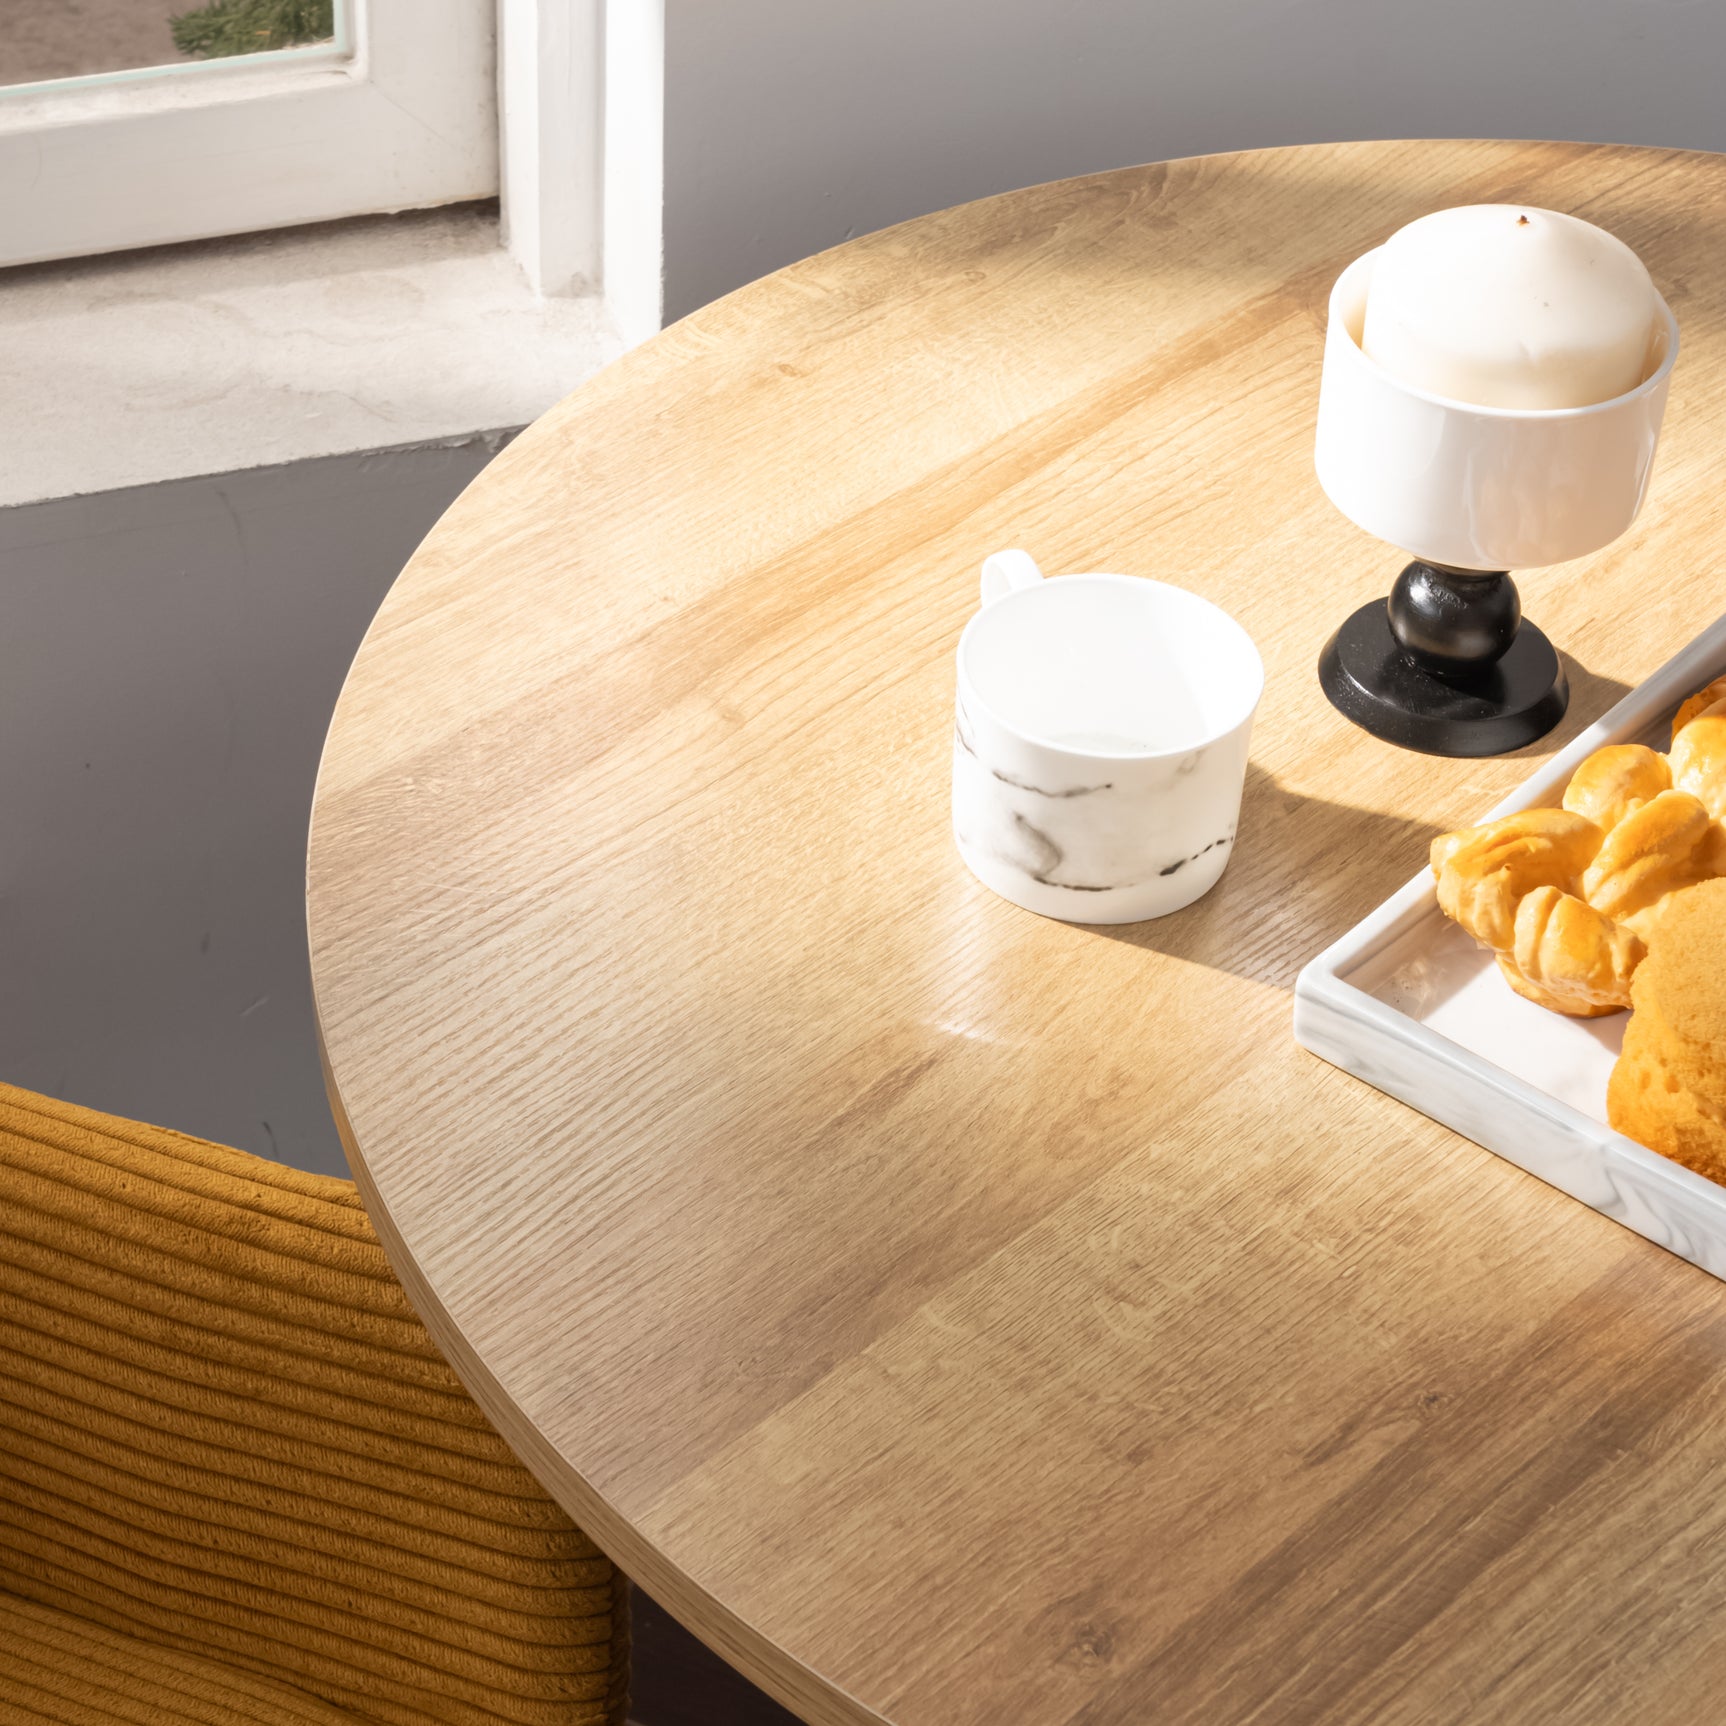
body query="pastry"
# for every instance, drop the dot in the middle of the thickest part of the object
(1668, 1090)
(1483, 872)
(1665, 844)
(1699, 748)
(1698, 704)
(1616, 781)
(1568, 956)
(1569, 899)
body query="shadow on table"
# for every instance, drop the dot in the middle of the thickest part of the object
(1305, 869)
(1591, 695)
(1309, 869)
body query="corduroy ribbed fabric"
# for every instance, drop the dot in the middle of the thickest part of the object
(228, 1445)
(59, 1668)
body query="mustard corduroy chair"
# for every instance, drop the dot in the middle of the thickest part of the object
(237, 1481)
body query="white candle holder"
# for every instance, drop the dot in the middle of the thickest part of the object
(1446, 665)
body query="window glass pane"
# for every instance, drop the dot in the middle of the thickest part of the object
(49, 39)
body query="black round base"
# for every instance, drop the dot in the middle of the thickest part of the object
(1369, 677)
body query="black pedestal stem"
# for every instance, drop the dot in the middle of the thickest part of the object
(1446, 666)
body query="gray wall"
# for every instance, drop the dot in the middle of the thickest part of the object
(169, 656)
(792, 125)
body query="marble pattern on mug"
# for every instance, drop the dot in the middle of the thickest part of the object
(1092, 836)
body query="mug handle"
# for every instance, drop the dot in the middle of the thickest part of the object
(1006, 572)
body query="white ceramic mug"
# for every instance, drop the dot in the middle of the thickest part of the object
(1101, 742)
(1480, 487)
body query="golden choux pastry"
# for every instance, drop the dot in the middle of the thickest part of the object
(1699, 748)
(1668, 1089)
(1483, 872)
(1570, 898)
(1665, 844)
(1698, 704)
(1568, 956)
(1615, 781)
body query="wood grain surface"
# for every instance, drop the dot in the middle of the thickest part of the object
(957, 1317)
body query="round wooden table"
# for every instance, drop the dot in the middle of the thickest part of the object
(953, 1316)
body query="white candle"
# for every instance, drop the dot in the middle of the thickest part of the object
(1509, 306)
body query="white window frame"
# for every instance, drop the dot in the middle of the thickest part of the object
(556, 106)
(405, 116)
(581, 91)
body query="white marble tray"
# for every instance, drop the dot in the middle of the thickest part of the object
(1408, 1002)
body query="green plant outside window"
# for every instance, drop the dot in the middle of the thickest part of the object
(252, 26)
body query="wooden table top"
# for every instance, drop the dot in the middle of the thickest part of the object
(954, 1316)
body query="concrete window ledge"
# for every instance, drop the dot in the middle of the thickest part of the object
(210, 358)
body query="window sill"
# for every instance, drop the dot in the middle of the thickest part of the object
(208, 358)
